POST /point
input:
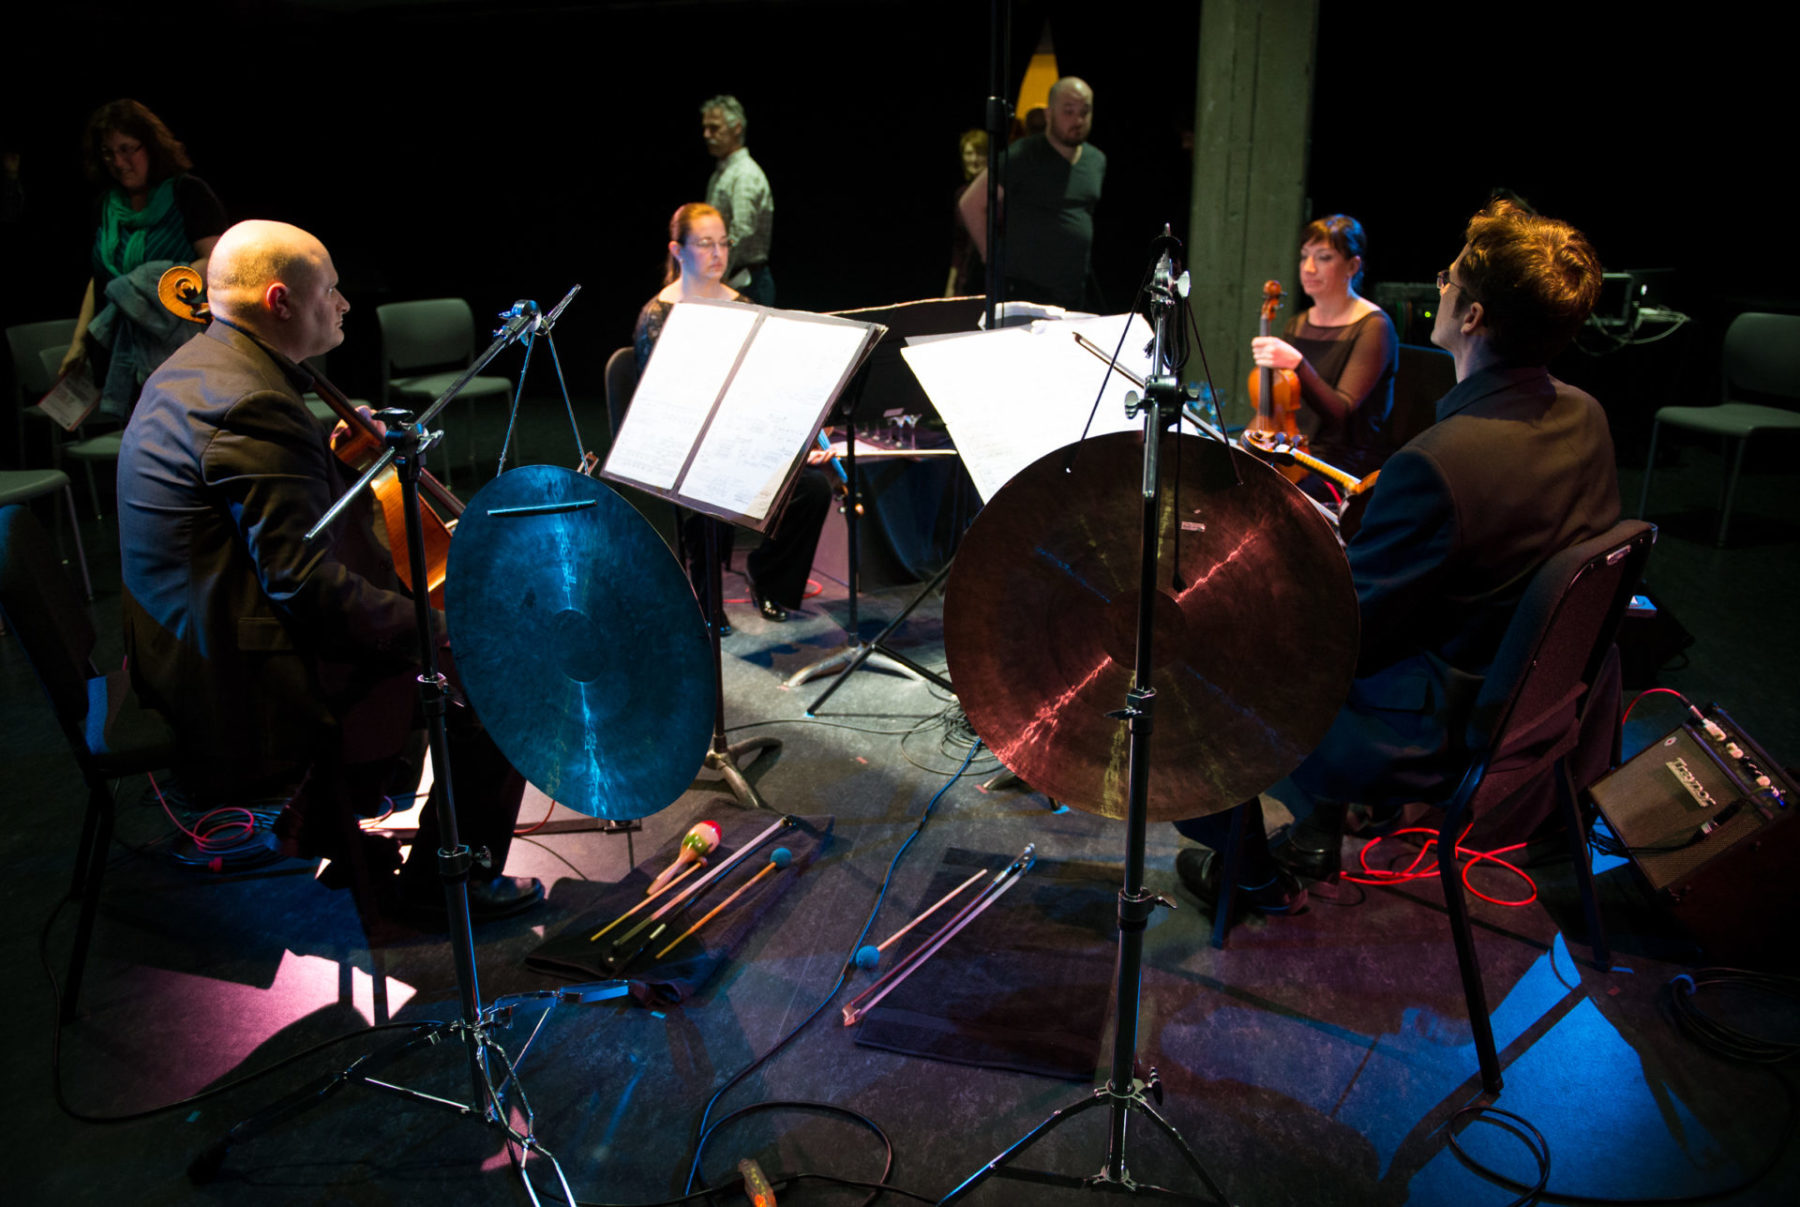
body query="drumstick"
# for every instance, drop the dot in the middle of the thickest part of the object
(647, 900)
(942, 901)
(779, 858)
(865, 1001)
(687, 893)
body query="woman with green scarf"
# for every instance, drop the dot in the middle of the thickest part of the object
(153, 213)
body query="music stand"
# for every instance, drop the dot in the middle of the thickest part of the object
(721, 423)
(883, 384)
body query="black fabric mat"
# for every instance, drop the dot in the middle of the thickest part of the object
(572, 952)
(1025, 986)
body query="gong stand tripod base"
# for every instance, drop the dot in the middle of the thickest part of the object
(1123, 1092)
(407, 440)
(727, 758)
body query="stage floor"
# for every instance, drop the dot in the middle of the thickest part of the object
(1317, 1060)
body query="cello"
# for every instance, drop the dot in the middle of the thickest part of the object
(181, 290)
(1276, 392)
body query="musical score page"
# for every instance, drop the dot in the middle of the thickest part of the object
(690, 364)
(1014, 395)
(777, 400)
(728, 404)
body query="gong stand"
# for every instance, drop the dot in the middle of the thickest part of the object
(407, 443)
(727, 758)
(1124, 1091)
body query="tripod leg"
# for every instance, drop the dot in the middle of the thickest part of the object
(1026, 1141)
(205, 1167)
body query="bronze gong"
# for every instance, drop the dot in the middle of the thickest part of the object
(1254, 641)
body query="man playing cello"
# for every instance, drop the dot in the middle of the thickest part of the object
(281, 661)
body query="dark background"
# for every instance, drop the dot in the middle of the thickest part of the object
(498, 151)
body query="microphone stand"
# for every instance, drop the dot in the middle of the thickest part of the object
(1124, 1092)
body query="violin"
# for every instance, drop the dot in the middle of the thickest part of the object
(181, 290)
(1276, 392)
(1282, 452)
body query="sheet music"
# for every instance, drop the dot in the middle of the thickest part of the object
(1015, 395)
(766, 421)
(729, 402)
(690, 365)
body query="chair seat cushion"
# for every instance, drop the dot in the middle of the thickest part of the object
(1730, 419)
(20, 485)
(430, 385)
(95, 448)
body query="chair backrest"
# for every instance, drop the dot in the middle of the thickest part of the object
(1762, 354)
(46, 612)
(426, 334)
(621, 384)
(1424, 375)
(1559, 636)
(25, 341)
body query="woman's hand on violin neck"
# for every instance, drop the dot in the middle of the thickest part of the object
(1272, 353)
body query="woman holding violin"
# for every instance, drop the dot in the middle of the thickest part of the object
(1342, 348)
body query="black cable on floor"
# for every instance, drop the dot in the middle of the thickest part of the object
(1720, 1038)
(702, 1130)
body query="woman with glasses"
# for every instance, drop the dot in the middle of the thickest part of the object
(1343, 347)
(777, 569)
(699, 250)
(152, 214)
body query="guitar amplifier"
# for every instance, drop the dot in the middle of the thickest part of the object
(1707, 821)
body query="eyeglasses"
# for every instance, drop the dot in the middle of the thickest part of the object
(708, 244)
(125, 150)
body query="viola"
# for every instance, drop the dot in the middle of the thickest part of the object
(1276, 392)
(181, 290)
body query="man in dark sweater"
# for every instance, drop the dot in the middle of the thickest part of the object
(1048, 194)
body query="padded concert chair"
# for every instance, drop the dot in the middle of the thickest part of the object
(24, 341)
(1527, 724)
(109, 732)
(432, 342)
(1423, 376)
(85, 450)
(1762, 356)
(23, 485)
(621, 384)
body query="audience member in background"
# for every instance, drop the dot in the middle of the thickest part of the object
(740, 192)
(965, 264)
(152, 214)
(1048, 195)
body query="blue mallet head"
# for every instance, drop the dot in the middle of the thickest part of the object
(867, 956)
(781, 857)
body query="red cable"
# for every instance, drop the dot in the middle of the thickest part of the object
(1376, 876)
(1652, 691)
(209, 836)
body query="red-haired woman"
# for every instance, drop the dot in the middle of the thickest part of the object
(777, 569)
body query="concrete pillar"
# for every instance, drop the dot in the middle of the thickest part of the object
(1252, 124)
